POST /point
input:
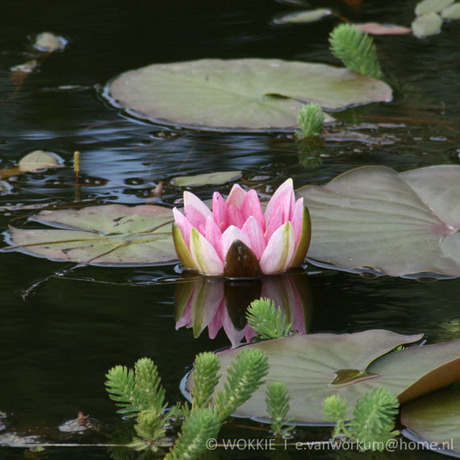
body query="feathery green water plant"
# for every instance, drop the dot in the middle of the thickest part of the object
(267, 321)
(244, 376)
(311, 120)
(355, 49)
(139, 394)
(205, 378)
(277, 400)
(201, 425)
(373, 419)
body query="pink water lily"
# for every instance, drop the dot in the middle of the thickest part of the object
(237, 238)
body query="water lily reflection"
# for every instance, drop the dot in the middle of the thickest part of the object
(217, 303)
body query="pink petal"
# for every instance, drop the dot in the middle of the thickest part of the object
(284, 197)
(230, 235)
(191, 200)
(195, 218)
(236, 196)
(251, 207)
(184, 225)
(214, 235)
(256, 236)
(236, 217)
(205, 256)
(279, 251)
(220, 211)
(275, 222)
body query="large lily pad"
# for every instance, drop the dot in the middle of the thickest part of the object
(101, 235)
(318, 365)
(398, 224)
(434, 420)
(240, 94)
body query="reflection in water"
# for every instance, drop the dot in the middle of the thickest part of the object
(218, 303)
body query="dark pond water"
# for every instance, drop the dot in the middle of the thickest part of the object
(58, 341)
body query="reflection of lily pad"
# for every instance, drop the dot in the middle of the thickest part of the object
(435, 419)
(101, 235)
(398, 224)
(319, 365)
(240, 94)
(314, 365)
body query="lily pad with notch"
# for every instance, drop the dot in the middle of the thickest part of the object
(240, 94)
(316, 366)
(101, 235)
(398, 224)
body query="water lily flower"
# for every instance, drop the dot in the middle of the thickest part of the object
(237, 238)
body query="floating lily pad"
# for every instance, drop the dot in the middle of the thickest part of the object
(310, 364)
(48, 42)
(426, 25)
(303, 17)
(214, 178)
(453, 12)
(318, 365)
(434, 420)
(431, 6)
(39, 159)
(398, 224)
(101, 235)
(240, 94)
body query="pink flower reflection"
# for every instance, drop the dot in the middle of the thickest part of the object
(221, 304)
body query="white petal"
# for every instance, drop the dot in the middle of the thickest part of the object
(205, 256)
(279, 251)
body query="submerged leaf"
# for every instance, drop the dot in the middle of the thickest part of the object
(101, 235)
(239, 94)
(398, 224)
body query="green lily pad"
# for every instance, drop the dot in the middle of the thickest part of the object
(318, 365)
(101, 235)
(397, 224)
(453, 12)
(214, 178)
(309, 364)
(434, 420)
(303, 17)
(431, 6)
(426, 25)
(240, 94)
